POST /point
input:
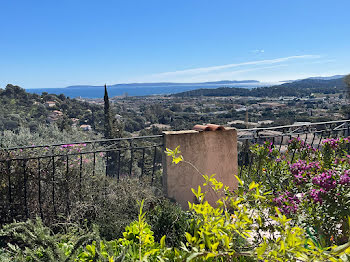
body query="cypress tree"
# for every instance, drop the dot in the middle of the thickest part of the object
(110, 156)
(107, 115)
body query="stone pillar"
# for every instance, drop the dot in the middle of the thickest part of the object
(211, 152)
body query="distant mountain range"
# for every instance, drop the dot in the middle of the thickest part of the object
(162, 84)
(327, 77)
(144, 89)
(304, 87)
(244, 87)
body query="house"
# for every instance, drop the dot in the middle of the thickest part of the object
(265, 122)
(57, 113)
(86, 127)
(118, 117)
(50, 103)
(241, 109)
(301, 123)
(160, 126)
(54, 116)
(75, 121)
(242, 123)
(272, 104)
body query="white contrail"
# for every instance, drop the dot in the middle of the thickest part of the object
(202, 70)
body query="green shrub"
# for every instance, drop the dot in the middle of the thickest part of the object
(5, 256)
(309, 185)
(215, 235)
(169, 219)
(244, 225)
(82, 190)
(32, 241)
(111, 204)
(43, 135)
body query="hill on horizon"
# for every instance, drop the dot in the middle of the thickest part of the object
(231, 87)
(304, 87)
(140, 85)
(144, 89)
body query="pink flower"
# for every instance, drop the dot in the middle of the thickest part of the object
(303, 170)
(325, 180)
(332, 142)
(287, 202)
(316, 195)
(345, 178)
(86, 161)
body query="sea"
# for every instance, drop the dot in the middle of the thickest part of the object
(131, 90)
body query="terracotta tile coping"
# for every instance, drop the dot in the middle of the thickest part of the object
(208, 127)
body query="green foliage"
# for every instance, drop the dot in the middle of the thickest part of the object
(32, 241)
(44, 135)
(114, 206)
(347, 81)
(310, 186)
(291, 244)
(137, 244)
(100, 200)
(107, 116)
(174, 154)
(22, 109)
(102, 251)
(221, 233)
(216, 231)
(242, 225)
(5, 255)
(169, 219)
(299, 88)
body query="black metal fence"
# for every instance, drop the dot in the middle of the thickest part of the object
(311, 133)
(47, 179)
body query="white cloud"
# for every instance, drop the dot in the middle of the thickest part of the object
(230, 75)
(205, 70)
(258, 51)
(323, 61)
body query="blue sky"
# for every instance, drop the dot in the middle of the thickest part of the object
(47, 44)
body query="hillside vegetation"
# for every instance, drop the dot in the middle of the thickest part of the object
(22, 109)
(299, 88)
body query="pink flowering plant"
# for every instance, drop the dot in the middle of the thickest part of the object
(303, 150)
(310, 185)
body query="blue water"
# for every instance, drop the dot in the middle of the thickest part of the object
(98, 92)
(134, 90)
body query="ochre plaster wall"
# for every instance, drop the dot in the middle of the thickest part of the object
(211, 152)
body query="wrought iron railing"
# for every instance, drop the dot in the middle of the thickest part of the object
(311, 133)
(38, 178)
(47, 179)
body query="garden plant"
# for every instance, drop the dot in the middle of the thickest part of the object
(290, 206)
